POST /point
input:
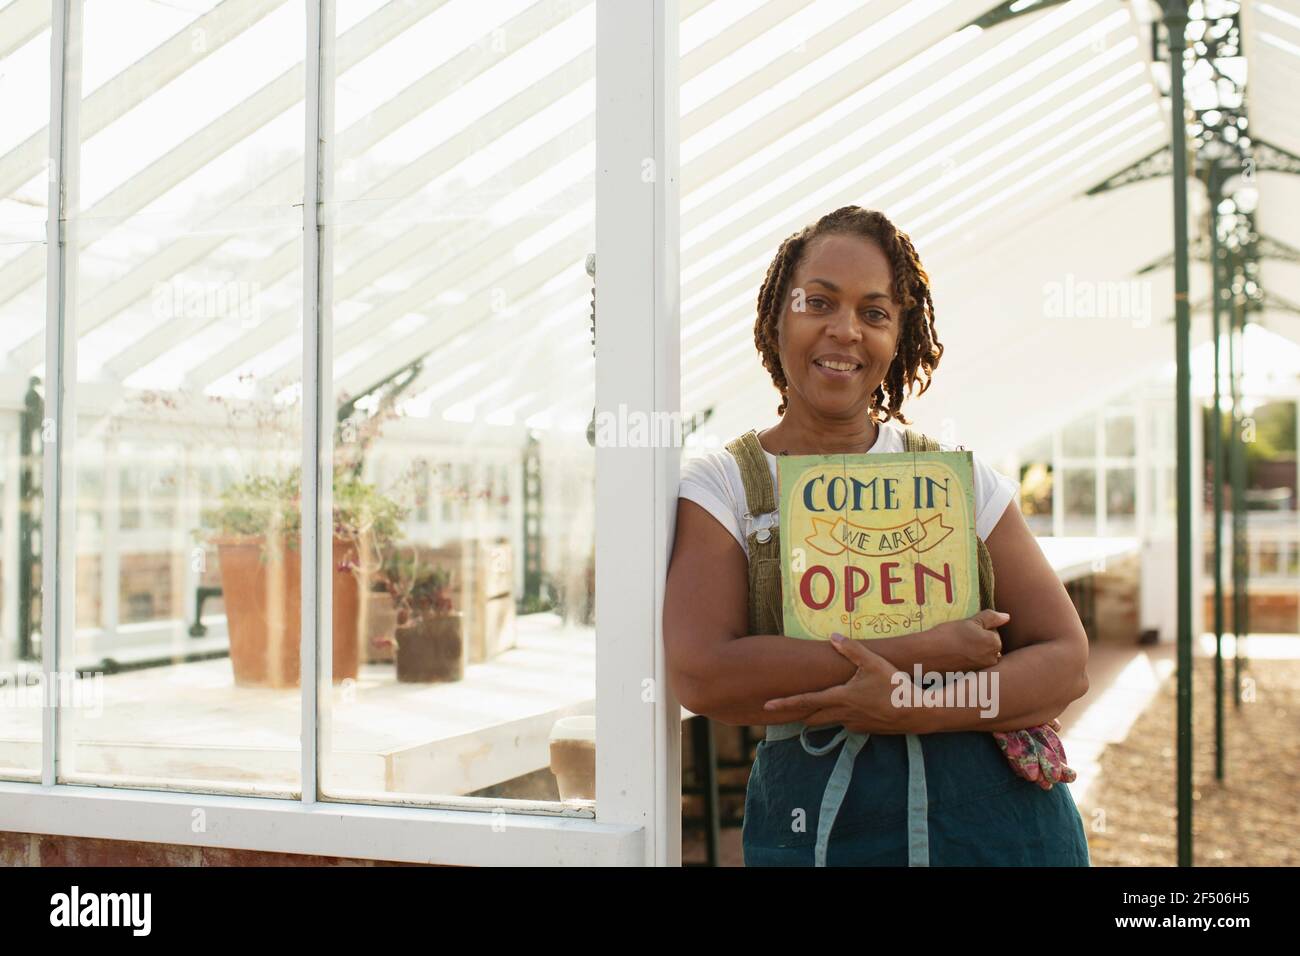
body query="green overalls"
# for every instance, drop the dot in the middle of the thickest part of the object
(971, 810)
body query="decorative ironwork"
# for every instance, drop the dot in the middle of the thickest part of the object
(1009, 11)
(1151, 166)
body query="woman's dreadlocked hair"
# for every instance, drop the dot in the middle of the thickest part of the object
(919, 348)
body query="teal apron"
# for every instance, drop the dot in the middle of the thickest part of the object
(833, 798)
(962, 804)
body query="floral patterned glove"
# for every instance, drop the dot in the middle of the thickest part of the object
(1036, 754)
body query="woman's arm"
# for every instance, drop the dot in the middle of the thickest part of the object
(1045, 664)
(717, 670)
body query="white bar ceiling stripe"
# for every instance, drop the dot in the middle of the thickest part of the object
(756, 266)
(815, 194)
(19, 22)
(1112, 25)
(856, 175)
(133, 85)
(372, 255)
(391, 194)
(720, 28)
(272, 100)
(701, 376)
(707, 163)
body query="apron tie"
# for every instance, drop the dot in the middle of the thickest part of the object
(918, 830)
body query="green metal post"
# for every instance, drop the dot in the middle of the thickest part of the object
(1175, 20)
(1216, 459)
(1237, 470)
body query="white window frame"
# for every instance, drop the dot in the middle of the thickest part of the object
(638, 796)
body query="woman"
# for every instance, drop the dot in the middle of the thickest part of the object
(846, 329)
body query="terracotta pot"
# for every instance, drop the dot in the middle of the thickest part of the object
(263, 601)
(573, 757)
(432, 649)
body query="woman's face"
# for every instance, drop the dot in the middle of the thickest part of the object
(840, 326)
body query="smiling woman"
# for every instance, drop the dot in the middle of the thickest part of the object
(846, 329)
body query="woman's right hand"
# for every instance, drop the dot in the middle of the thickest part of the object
(970, 644)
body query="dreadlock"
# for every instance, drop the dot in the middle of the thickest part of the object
(919, 348)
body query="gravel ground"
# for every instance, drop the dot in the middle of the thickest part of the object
(1250, 819)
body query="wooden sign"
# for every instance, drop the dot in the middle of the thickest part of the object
(877, 545)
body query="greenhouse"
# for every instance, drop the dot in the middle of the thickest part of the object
(350, 352)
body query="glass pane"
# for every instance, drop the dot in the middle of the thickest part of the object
(1079, 486)
(24, 190)
(1079, 439)
(462, 214)
(1121, 493)
(1163, 501)
(1121, 501)
(184, 291)
(1120, 440)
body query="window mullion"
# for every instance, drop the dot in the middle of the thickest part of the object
(317, 391)
(58, 539)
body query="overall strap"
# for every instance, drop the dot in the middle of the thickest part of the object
(760, 497)
(762, 535)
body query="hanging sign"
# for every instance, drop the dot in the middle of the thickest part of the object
(877, 545)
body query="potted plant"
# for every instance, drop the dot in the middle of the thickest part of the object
(379, 628)
(257, 533)
(430, 635)
(370, 521)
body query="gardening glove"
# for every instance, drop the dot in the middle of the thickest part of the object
(1036, 754)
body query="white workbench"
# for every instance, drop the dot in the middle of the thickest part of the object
(188, 725)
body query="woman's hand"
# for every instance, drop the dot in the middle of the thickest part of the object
(970, 644)
(864, 703)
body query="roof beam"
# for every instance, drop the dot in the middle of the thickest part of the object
(978, 115)
(133, 85)
(380, 256)
(19, 22)
(179, 163)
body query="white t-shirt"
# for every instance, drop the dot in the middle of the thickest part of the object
(712, 480)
